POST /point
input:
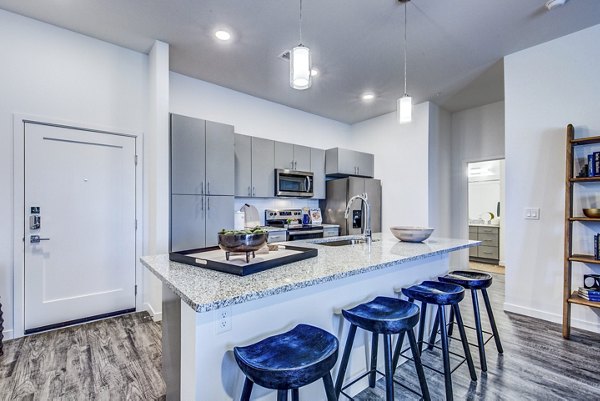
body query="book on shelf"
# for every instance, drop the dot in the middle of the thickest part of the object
(591, 171)
(596, 163)
(596, 247)
(589, 294)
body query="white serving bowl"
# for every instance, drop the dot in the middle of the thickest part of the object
(411, 234)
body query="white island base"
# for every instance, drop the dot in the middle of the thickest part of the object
(195, 345)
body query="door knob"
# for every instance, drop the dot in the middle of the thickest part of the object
(35, 239)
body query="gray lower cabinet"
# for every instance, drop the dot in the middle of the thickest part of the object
(489, 250)
(196, 220)
(343, 163)
(317, 166)
(202, 157)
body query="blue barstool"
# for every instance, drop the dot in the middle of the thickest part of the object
(441, 294)
(474, 281)
(384, 316)
(289, 361)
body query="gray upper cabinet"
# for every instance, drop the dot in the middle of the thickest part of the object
(343, 162)
(243, 165)
(292, 157)
(219, 159)
(317, 166)
(188, 146)
(202, 157)
(263, 167)
(284, 155)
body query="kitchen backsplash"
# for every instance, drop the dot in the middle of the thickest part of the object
(274, 203)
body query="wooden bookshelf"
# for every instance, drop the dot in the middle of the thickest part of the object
(571, 297)
(576, 299)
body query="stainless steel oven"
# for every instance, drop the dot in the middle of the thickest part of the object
(292, 183)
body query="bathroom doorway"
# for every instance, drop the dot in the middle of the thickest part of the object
(486, 194)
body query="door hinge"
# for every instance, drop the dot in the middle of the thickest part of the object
(136, 159)
(135, 290)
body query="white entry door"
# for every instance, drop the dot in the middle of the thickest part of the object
(83, 186)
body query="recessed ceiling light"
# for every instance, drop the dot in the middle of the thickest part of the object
(550, 4)
(314, 72)
(222, 35)
(367, 97)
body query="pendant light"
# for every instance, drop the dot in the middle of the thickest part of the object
(300, 76)
(404, 104)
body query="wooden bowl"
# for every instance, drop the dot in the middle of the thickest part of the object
(592, 213)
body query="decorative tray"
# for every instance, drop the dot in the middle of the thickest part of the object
(214, 258)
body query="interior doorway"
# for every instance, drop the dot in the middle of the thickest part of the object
(486, 203)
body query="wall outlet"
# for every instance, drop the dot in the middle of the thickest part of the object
(532, 213)
(223, 319)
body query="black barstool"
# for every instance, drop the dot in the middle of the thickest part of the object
(474, 280)
(441, 294)
(384, 316)
(289, 361)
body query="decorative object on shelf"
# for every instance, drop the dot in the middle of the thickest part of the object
(300, 63)
(591, 281)
(592, 213)
(573, 296)
(411, 234)
(404, 104)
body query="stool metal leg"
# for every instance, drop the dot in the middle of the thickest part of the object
(398, 349)
(451, 322)
(422, 325)
(295, 395)
(247, 390)
(445, 354)
(282, 395)
(418, 365)
(389, 372)
(465, 343)
(329, 390)
(488, 306)
(374, 346)
(436, 324)
(479, 330)
(344, 363)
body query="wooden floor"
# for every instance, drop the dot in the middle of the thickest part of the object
(120, 359)
(112, 359)
(486, 267)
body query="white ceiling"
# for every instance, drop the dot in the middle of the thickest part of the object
(356, 44)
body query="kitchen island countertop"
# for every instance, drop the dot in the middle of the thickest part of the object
(204, 290)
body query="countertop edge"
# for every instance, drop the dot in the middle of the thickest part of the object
(207, 307)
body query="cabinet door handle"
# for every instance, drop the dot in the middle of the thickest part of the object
(207, 203)
(249, 191)
(202, 207)
(207, 188)
(202, 188)
(253, 191)
(357, 169)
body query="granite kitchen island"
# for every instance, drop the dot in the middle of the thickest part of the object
(206, 313)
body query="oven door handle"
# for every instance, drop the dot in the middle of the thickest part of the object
(292, 233)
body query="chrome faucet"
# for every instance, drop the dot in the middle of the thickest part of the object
(366, 228)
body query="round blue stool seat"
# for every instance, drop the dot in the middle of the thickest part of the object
(384, 315)
(289, 360)
(472, 280)
(435, 292)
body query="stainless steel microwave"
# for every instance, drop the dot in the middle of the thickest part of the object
(293, 183)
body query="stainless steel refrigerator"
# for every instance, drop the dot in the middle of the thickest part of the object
(339, 192)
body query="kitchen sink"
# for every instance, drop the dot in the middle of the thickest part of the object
(343, 242)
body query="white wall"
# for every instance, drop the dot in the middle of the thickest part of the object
(477, 135)
(52, 72)
(546, 87)
(440, 163)
(401, 162)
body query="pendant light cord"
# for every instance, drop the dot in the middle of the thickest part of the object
(300, 21)
(405, 93)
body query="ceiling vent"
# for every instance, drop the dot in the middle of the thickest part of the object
(285, 56)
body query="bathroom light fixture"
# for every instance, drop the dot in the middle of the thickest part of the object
(222, 35)
(300, 71)
(404, 104)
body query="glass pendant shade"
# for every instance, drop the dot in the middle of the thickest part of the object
(404, 109)
(300, 77)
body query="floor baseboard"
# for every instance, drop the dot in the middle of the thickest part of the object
(8, 335)
(551, 317)
(156, 316)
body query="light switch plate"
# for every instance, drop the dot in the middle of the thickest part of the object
(532, 213)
